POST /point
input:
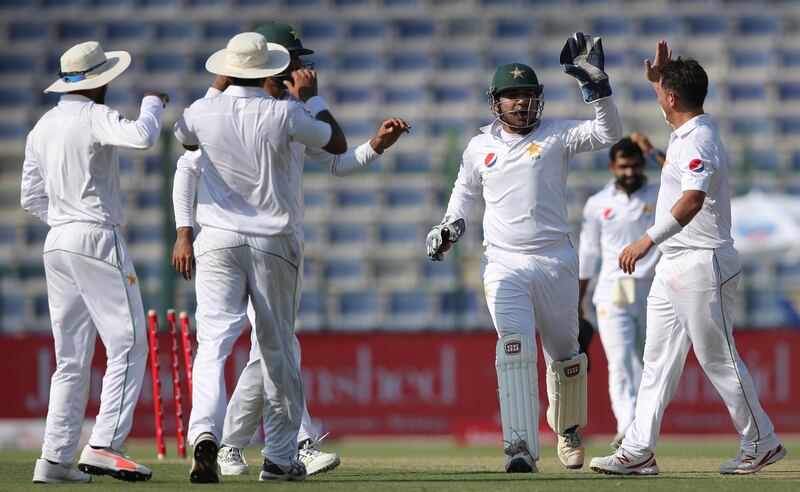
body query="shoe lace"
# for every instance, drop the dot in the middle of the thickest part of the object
(310, 446)
(234, 454)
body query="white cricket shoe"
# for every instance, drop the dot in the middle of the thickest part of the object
(46, 472)
(570, 448)
(231, 461)
(521, 462)
(316, 461)
(748, 462)
(107, 461)
(204, 460)
(624, 463)
(273, 472)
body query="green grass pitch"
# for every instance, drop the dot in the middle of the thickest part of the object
(438, 465)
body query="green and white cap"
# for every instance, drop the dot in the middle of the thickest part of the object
(285, 35)
(514, 76)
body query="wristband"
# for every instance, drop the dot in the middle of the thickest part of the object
(316, 105)
(664, 229)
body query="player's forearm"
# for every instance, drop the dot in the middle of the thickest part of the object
(183, 190)
(608, 123)
(354, 160)
(689, 204)
(583, 285)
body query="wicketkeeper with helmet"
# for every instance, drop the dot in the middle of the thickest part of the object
(519, 164)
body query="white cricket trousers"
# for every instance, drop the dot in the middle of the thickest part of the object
(92, 288)
(246, 406)
(690, 305)
(232, 268)
(527, 293)
(622, 332)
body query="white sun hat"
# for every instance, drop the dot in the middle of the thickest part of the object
(87, 66)
(249, 56)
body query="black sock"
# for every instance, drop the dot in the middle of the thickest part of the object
(52, 462)
(97, 447)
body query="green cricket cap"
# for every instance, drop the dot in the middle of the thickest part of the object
(514, 76)
(284, 35)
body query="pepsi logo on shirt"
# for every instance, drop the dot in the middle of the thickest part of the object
(608, 214)
(490, 160)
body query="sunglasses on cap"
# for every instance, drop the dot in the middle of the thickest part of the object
(71, 77)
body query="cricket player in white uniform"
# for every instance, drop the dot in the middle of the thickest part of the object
(692, 296)
(519, 164)
(70, 180)
(246, 406)
(612, 219)
(250, 245)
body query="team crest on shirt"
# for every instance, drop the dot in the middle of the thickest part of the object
(647, 209)
(696, 166)
(534, 150)
(608, 213)
(490, 160)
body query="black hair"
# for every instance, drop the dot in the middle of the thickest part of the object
(686, 78)
(247, 82)
(626, 148)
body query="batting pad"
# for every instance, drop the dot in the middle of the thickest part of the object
(566, 393)
(518, 391)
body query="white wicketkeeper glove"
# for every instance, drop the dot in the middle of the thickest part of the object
(444, 232)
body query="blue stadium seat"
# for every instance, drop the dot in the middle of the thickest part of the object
(112, 3)
(439, 272)
(410, 61)
(322, 61)
(395, 233)
(354, 95)
(76, 30)
(611, 26)
(125, 160)
(458, 28)
(312, 308)
(318, 31)
(404, 95)
(658, 25)
(751, 58)
(221, 30)
(8, 233)
(174, 30)
(206, 3)
(144, 233)
(256, 3)
(756, 25)
(61, 3)
(154, 164)
(348, 232)
(405, 197)
(356, 129)
(497, 58)
(352, 3)
(460, 309)
(512, 29)
(790, 125)
(368, 30)
(789, 92)
(15, 97)
(117, 96)
(764, 160)
(302, 3)
(414, 29)
(444, 126)
(454, 94)
(750, 125)
(409, 310)
(356, 197)
(14, 4)
(706, 25)
(790, 58)
(149, 199)
(13, 305)
(12, 130)
(459, 60)
(158, 3)
(161, 62)
(127, 30)
(41, 305)
(359, 303)
(36, 232)
(27, 31)
(747, 92)
(411, 162)
(313, 197)
(311, 232)
(344, 270)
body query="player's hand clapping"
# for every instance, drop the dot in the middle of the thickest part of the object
(388, 133)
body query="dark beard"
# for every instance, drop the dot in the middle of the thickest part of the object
(632, 184)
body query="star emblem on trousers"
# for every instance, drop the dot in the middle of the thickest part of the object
(131, 279)
(517, 73)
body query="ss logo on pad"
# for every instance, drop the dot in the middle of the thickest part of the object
(513, 348)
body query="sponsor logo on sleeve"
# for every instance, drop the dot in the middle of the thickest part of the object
(696, 166)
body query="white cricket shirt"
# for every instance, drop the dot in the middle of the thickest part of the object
(612, 221)
(191, 164)
(523, 178)
(697, 160)
(71, 169)
(250, 182)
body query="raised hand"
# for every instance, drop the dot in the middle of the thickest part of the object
(388, 133)
(303, 85)
(663, 55)
(161, 95)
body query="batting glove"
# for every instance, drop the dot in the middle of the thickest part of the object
(446, 231)
(582, 57)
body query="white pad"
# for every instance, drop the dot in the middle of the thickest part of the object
(518, 390)
(566, 392)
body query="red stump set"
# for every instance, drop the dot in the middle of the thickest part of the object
(176, 376)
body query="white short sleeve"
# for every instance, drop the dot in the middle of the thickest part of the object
(306, 129)
(183, 129)
(696, 165)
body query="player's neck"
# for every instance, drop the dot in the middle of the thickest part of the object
(517, 131)
(678, 119)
